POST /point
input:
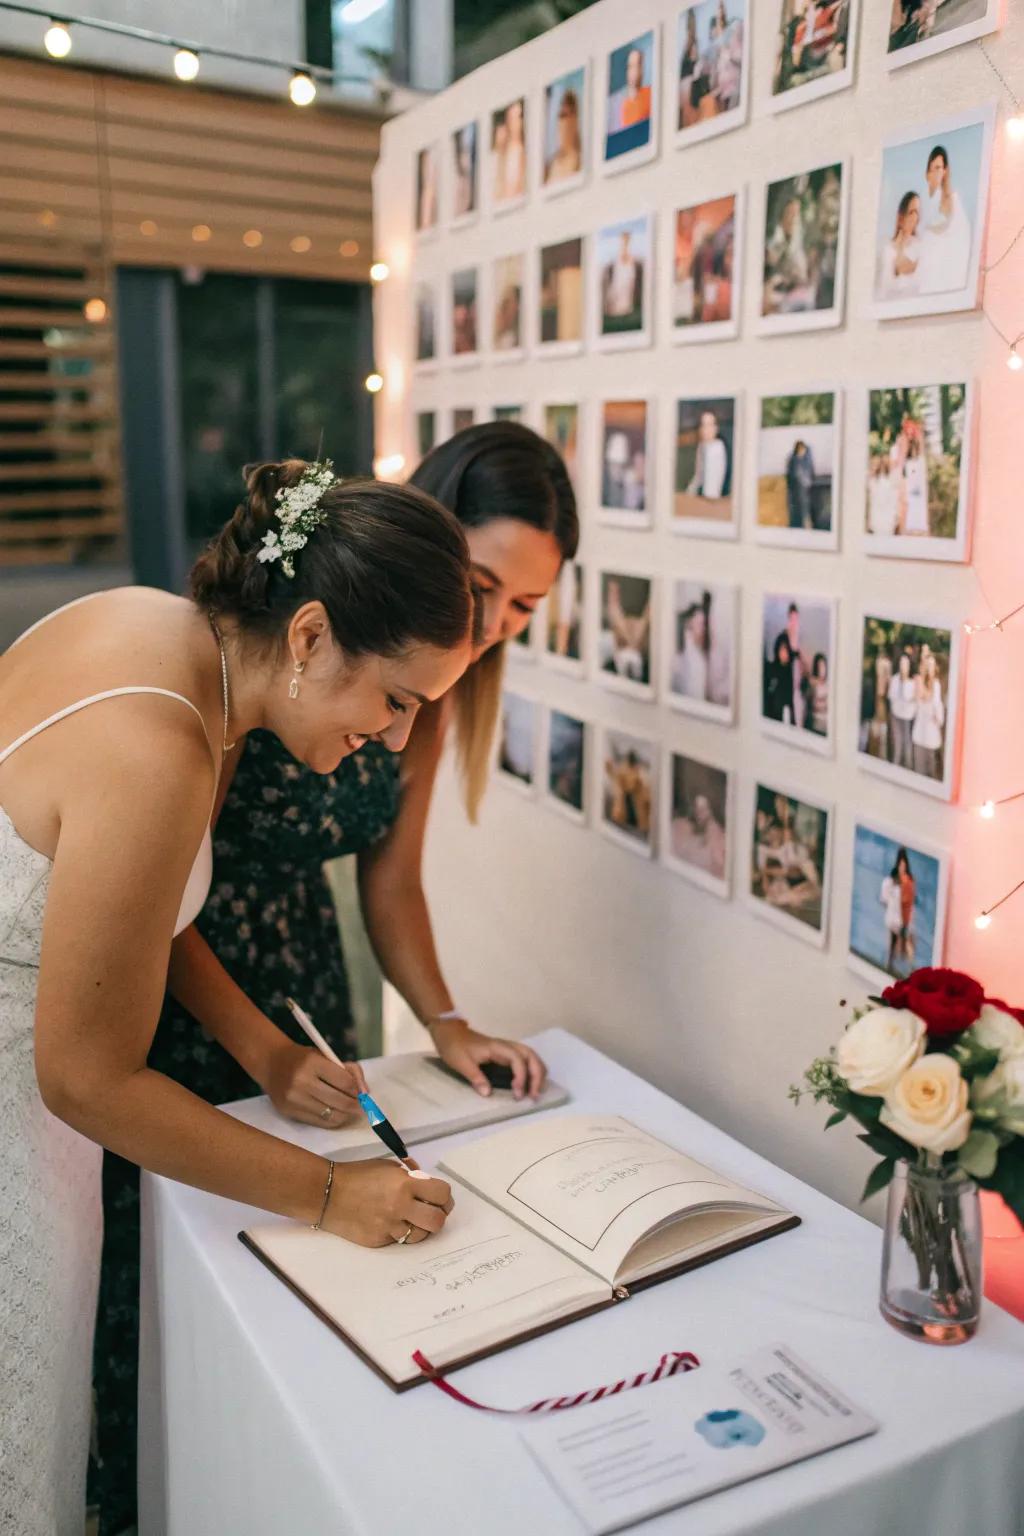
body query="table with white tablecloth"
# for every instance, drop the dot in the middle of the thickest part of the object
(256, 1420)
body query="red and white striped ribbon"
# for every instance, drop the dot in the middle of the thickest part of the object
(669, 1365)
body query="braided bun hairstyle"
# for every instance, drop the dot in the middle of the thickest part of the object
(389, 564)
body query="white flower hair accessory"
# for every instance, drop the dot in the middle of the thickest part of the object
(299, 513)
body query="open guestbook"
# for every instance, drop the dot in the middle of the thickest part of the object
(553, 1220)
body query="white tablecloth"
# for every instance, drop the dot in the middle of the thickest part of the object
(257, 1421)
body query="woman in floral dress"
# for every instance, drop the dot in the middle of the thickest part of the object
(270, 920)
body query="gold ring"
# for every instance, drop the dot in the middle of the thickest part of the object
(325, 1113)
(405, 1235)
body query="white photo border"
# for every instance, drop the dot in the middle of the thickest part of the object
(707, 528)
(570, 665)
(644, 152)
(554, 802)
(802, 740)
(700, 709)
(494, 354)
(699, 133)
(643, 850)
(611, 680)
(618, 517)
(825, 85)
(969, 32)
(624, 341)
(700, 877)
(969, 296)
(818, 938)
(856, 963)
(547, 189)
(510, 780)
(801, 538)
(806, 320)
(955, 551)
(712, 330)
(464, 220)
(938, 789)
(541, 348)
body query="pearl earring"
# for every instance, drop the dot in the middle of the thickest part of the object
(293, 686)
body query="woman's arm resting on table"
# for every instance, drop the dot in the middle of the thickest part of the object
(398, 924)
(130, 827)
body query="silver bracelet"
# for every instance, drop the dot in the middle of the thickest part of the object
(327, 1196)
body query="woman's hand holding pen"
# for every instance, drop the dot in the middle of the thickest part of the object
(304, 1085)
(377, 1203)
(465, 1050)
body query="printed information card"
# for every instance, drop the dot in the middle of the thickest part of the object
(630, 1457)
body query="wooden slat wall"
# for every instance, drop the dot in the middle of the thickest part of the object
(179, 160)
(60, 481)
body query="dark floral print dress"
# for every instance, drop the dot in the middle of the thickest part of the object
(270, 920)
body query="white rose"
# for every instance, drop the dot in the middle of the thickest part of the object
(996, 1030)
(928, 1106)
(877, 1049)
(1003, 1091)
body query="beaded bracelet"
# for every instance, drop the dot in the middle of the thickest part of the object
(327, 1196)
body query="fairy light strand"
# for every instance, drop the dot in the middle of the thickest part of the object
(1015, 362)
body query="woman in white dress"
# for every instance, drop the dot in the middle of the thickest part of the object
(915, 484)
(929, 720)
(116, 715)
(945, 231)
(882, 508)
(898, 263)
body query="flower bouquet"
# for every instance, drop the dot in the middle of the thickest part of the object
(933, 1072)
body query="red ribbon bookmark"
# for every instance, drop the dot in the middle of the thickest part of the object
(668, 1365)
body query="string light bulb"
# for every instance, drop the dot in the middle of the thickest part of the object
(186, 64)
(301, 89)
(1015, 362)
(374, 383)
(390, 464)
(57, 40)
(94, 310)
(1015, 127)
(379, 272)
(987, 811)
(983, 921)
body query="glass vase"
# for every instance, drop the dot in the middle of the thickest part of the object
(931, 1255)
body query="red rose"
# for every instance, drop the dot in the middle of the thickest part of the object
(1015, 1013)
(947, 1001)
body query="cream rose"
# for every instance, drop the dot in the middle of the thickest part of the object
(928, 1106)
(997, 1030)
(1003, 1091)
(877, 1049)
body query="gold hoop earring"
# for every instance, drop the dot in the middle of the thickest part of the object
(293, 687)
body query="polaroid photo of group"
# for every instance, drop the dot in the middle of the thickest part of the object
(788, 874)
(909, 700)
(798, 658)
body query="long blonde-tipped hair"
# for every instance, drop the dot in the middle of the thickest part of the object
(498, 469)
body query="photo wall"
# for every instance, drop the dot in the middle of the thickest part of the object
(728, 257)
